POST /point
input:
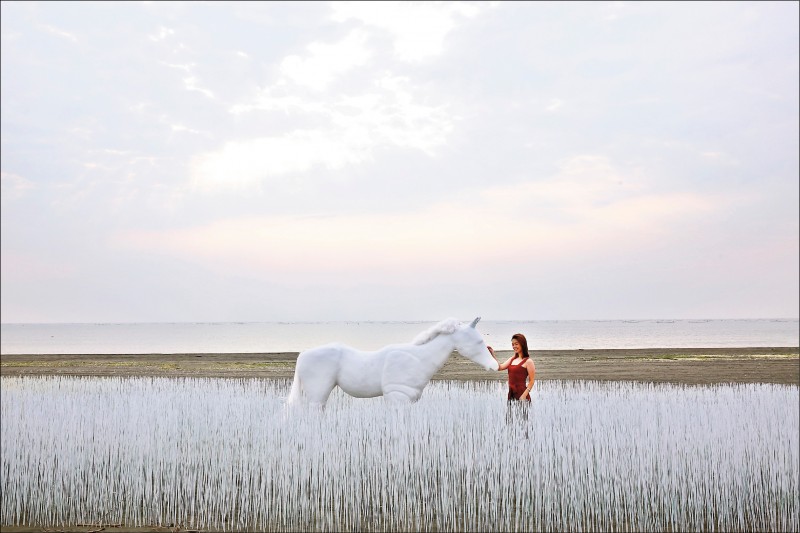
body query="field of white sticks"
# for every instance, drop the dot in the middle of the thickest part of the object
(224, 454)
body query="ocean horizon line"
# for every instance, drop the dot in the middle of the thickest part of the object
(398, 321)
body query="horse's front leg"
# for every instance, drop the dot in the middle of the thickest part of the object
(393, 395)
(403, 378)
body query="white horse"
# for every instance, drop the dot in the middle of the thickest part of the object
(399, 372)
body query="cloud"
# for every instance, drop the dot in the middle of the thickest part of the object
(24, 266)
(191, 84)
(59, 33)
(419, 29)
(14, 186)
(721, 158)
(190, 79)
(180, 128)
(555, 105)
(371, 109)
(243, 164)
(613, 10)
(162, 34)
(186, 68)
(583, 211)
(326, 62)
(386, 114)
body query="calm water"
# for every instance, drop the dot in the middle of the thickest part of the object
(292, 337)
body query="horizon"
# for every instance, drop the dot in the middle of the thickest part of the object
(408, 321)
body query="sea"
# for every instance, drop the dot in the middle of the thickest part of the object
(274, 337)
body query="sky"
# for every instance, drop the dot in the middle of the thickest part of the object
(373, 161)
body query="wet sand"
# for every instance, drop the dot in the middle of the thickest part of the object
(691, 366)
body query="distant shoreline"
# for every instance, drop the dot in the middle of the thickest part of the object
(691, 366)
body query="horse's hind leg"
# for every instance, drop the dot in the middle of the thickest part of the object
(309, 391)
(317, 370)
(318, 391)
(317, 385)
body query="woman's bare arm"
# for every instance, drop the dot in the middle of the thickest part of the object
(505, 365)
(502, 366)
(531, 377)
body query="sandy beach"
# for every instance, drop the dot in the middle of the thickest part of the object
(691, 366)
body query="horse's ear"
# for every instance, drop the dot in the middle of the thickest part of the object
(474, 322)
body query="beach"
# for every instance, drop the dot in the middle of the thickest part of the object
(689, 366)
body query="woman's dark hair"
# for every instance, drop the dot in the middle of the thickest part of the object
(523, 342)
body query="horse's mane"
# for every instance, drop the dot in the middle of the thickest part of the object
(446, 326)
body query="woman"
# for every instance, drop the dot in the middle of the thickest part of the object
(520, 369)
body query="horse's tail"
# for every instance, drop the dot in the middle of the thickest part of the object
(296, 391)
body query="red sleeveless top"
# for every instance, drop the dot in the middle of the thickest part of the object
(517, 375)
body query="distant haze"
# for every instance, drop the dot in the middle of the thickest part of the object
(284, 161)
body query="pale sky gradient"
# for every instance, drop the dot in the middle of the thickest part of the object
(399, 161)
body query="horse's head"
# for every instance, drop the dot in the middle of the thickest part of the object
(469, 343)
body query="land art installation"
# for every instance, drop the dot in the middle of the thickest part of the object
(398, 372)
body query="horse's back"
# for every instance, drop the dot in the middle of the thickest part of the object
(357, 372)
(328, 356)
(360, 373)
